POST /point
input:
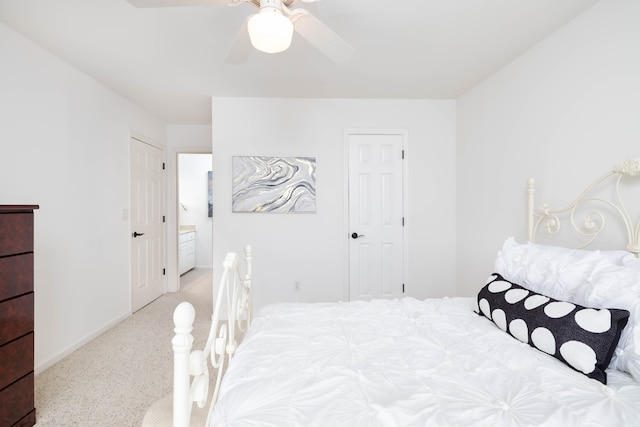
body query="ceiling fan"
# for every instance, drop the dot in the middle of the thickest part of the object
(271, 29)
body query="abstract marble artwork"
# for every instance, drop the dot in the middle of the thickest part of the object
(274, 184)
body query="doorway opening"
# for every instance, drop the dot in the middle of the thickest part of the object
(195, 216)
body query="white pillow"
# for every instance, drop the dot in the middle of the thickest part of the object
(631, 261)
(619, 286)
(598, 279)
(621, 258)
(551, 270)
(617, 257)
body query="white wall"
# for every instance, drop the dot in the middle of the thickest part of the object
(565, 112)
(180, 139)
(192, 190)
(568, 109)
(64, 142)
(311, 247)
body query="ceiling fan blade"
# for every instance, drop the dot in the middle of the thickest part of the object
(178, 3)
(240, 48)
(321, 36)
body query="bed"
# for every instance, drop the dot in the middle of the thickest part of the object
(551, 339)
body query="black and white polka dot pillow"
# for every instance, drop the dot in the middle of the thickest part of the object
(581, 337)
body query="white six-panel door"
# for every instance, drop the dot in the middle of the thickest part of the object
(147, 223)
(375, 216)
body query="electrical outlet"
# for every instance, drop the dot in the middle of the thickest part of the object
(297, 286)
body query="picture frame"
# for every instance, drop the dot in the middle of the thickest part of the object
(274, 184)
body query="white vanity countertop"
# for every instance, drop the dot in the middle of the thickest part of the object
(187, 228)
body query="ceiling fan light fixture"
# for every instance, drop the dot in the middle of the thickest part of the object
(270, 31)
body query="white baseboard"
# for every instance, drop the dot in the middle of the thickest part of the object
(66, 352)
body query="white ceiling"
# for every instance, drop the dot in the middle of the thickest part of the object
(170, 60)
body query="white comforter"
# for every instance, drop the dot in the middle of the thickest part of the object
(407, 363)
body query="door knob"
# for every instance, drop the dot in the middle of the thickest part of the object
(136, 234)
(356, 235)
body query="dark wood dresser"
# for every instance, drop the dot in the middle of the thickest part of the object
(16, 316)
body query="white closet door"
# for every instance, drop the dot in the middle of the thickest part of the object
(375, 216)
(147, 226)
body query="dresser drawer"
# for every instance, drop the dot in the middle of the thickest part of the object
(16, 360)
(16, 275)
(16, 317)
(16, 236)
(16, 403)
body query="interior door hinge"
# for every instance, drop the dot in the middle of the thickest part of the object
(403, 221)
(402, 154)
(164, 220)
(162, 165)
(164, 271)
(403, 288)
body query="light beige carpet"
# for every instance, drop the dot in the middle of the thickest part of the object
(114, 379)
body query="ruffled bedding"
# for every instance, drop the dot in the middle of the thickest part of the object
(407, 363)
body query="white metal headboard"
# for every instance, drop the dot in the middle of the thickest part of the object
(594, 221)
